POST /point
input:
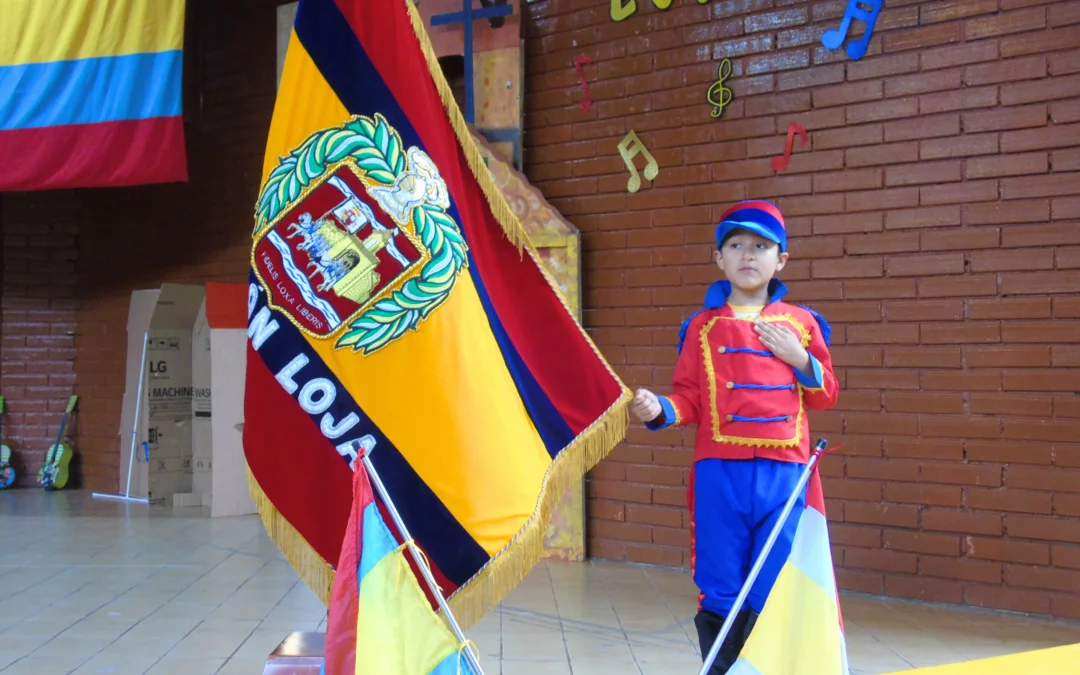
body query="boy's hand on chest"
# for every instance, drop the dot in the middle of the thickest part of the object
(785, 344)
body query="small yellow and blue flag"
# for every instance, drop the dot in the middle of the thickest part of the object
(800, 630)
(380, 620)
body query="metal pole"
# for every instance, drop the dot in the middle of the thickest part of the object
(760, 562)
(134, 431)
(420, 562)
(470, 83)
(138, 405)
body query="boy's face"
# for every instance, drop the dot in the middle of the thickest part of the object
(749, 261)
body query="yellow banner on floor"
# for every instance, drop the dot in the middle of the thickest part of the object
(1056, 661)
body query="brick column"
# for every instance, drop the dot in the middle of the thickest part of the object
(37, 324)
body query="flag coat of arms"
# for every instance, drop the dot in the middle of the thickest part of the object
(800, 630)
(90, 93)
(396, 304)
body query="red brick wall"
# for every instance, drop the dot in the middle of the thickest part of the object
(935, 221)
(135, 238)
(37, 326)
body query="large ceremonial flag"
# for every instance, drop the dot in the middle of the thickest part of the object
(397, 304)
(800, 631)
(90, 93)
(380, 620)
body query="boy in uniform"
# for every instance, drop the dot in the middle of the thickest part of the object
(749, 367)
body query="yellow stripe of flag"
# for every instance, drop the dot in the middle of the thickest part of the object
(396, 631)
(44, 31)
(305, 103)
(780, 645)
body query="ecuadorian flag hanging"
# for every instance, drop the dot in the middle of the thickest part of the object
(90, 93)
(397, 305)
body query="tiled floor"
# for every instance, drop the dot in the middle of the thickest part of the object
(102, 587)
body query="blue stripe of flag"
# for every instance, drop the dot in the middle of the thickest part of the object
(86, 91)
(454, 664)
(377, 541)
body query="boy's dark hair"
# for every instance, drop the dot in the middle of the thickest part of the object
(727, 236)
(731, 233)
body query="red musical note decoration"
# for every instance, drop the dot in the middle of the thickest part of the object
(781, 163)
(579, 64)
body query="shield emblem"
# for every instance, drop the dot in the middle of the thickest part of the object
(335, 252)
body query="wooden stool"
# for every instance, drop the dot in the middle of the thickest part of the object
(298, 654)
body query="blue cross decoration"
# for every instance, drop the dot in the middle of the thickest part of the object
(466, 16)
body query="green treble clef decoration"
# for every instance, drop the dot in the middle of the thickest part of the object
(719, 95)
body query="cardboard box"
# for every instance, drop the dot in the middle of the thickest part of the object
(168, 391)
(218, 366)
(192, 411)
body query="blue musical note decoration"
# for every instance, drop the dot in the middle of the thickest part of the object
(863, 10)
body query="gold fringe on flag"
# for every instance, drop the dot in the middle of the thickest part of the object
(499, 206)
(309, 565)
(509, 566)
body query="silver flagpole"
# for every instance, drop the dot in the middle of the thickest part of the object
(367, 445)
(134, 434)
(819, 449)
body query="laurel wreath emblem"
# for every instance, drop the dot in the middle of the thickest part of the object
(376, 149)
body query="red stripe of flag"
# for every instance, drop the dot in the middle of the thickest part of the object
(104, 154)
(340, 651)
(815, 499)
(284, 425)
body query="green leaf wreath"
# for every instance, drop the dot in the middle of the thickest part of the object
(376, 148)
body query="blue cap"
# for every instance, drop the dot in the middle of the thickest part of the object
(757, 216)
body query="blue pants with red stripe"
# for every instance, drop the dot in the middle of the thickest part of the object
(734, 505)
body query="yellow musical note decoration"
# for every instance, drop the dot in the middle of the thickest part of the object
(619, 11)
(719, 95)
(630, 147)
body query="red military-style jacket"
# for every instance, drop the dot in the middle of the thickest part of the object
(745, 402)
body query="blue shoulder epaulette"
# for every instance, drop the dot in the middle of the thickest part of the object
(715, 298)
(826, 329)
(684, 326)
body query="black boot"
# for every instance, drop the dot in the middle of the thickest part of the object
(751, 619)
(740, 630)
(708, 628)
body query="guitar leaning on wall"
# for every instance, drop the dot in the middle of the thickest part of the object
(54, 475)
(7, 472)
